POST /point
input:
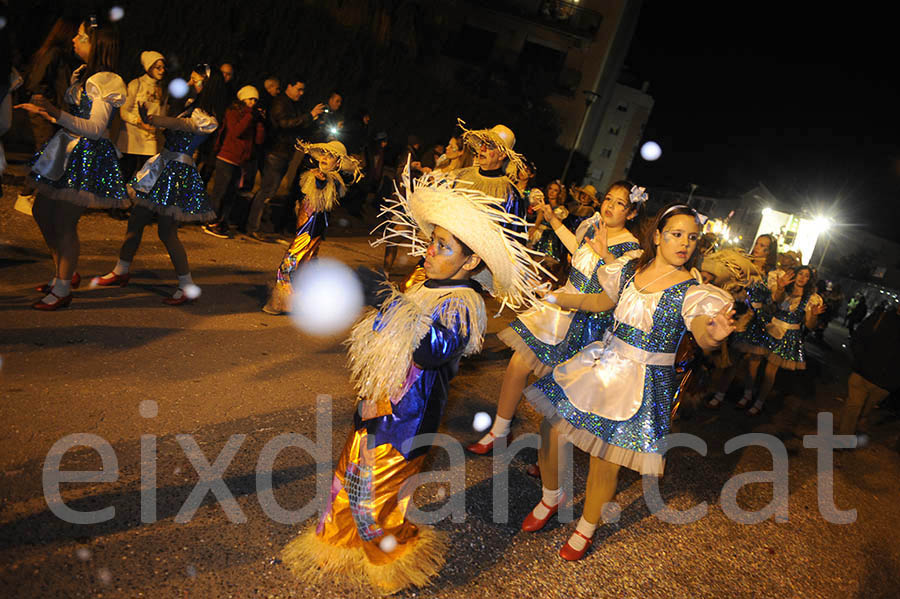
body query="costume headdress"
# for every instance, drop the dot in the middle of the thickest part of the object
(499, 136)
(477, 220)
(732, 269)
(346, 163)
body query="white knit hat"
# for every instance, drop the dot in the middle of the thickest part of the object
(248, 91)
(478, 221)
(149, 58)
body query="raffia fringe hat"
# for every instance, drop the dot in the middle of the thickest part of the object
(346, 163)
(499, 136)
(477, 220)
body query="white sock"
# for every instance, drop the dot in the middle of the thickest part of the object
(585, 528)
(499, 429)
(53, 282)
(748, 394)
(550, 498)
(719, 396)
(121, 267)
(183, 282)
(60, 289)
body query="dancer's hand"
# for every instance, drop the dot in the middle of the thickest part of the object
(319, 174)
(144, 113)
(722, 324)
(786, 279)
(818, 309)
(545, 209)
(599, 241)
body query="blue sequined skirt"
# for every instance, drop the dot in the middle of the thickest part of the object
(92, 177)
(753, 340)
(179, 192)
(550, 245)
(633, 443)
(585, 328)
(787, 352)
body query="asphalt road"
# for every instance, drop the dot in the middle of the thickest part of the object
(221, 368)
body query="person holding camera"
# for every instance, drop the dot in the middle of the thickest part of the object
(287, 123)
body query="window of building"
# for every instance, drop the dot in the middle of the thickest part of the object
(622, 107)
(614, 130)
(606, 153)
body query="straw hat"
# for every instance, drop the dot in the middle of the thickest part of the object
(499, 136)
(731, 269)
(346, 163)
(477, 220)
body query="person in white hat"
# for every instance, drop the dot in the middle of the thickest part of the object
(137, 140)
(402, 357)
(243, 131)
(322, 188)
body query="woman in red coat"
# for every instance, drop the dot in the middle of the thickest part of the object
(243, 130)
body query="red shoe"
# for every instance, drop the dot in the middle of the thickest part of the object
(177, 301)
(45, 288)
(482, 448)
(532, 524)
(120, 280)
(61, 302)
(569, 553)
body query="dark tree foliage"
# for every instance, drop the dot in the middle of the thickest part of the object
(386, 55)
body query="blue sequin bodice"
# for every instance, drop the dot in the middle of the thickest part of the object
(785, 314)
(758, 293)
(589, 284)
(183, 142)
(668, 324)
(82, 109)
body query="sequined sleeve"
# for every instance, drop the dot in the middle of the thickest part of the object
(703, 300)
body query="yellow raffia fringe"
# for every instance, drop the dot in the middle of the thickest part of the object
(380, 360)
(326, 198)
(313, 561)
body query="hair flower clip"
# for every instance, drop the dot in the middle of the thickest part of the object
(638, 195)
(92, 21)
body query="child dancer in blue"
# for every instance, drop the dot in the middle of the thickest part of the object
(169, 186)
(614, 398)
(546, 335)
(79, 167)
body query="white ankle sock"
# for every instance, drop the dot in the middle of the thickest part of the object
(184, 281)
(60, 289)
(499, 429)
(121, 267)
(719, 396)
(585, 528)
(748, 394)
(550, 498)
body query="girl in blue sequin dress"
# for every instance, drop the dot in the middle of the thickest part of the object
(749, 340)
(79, 167)
(797, 305)
(545, 335)
(169, 187)
(614, 398)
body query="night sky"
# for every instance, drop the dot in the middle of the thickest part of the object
(803, 100)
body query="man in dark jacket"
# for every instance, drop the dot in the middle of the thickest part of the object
(287, 122)
(875, 374)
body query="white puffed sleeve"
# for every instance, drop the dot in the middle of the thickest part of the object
(202, 122)
(610, 276)
(703, 300)
(107, 92)
(108, 87)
